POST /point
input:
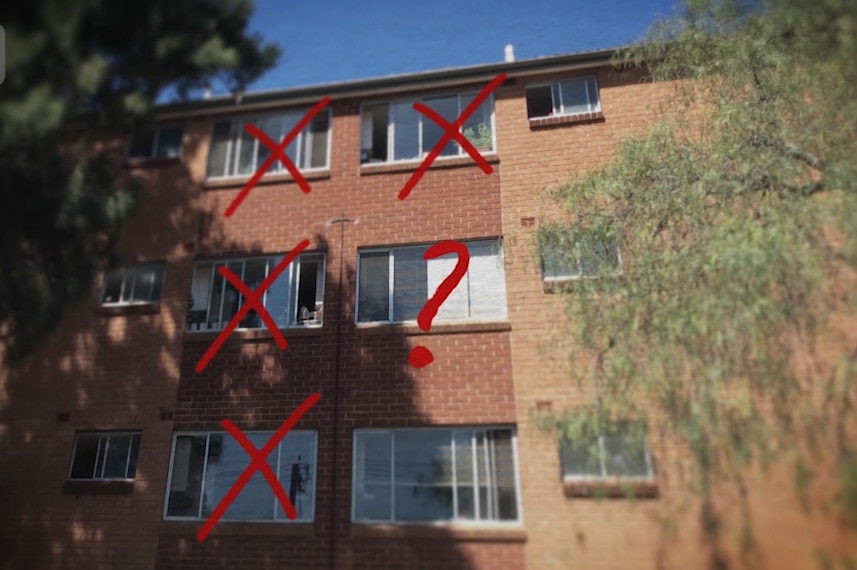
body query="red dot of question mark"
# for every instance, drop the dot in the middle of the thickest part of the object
(420, 356)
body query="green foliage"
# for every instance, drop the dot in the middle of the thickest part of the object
(725, 212)
(481, 136)
(90, 64)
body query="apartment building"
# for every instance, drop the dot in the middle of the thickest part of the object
(114, 453)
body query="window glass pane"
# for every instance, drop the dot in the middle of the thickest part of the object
(410, 282)
(423, 503)
(539, 101)
(423, 457)
(254, 273)
(217, 154)
(308, 309)
(559, 261)
(373, 472)
(477, 127)
(464, 474)
(446, 107)
(113, 286)
(592, 89)
(581, 458)
(85, 456)
(246, 150)
(504, 476)
(271, 126)
(374, 280)
(373, 145)
(144, 278)
(486, 278)
(198, 313)
(297, 473)
(288, 123)
(406, 131)
(316, 146)
(135, 449)
(574, 96)
(278, 295)
(597, 254)
(118, 447)
(141, 143)
(186, 477)
(169, 141)
(226, 461)
(625, 455)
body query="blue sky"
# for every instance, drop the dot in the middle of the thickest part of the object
(325, 41)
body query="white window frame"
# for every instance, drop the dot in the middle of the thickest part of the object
(559, 106)
(391, 281)
(98, 458)
(233, 144)
(604, 476)
(292, 273)
(133, 272)
(454, 521)
(423, 152)
(153, 152)
(276, 504)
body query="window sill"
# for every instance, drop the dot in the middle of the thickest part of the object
(239, 181)
(370, 168)
(439, 328)
(153, 162)
(611, 489)
(252, 334)
(235, 528)
(459, 532)
(98, 487)
(132, 309)
(580, 118)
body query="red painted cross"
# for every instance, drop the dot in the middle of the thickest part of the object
(276, 154)
(252, 300)
(451, 132)
(258, 462)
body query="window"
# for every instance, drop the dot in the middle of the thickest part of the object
(427, 475)
(569, 97)
(105, 456)
(295, 298)
(620, 452)
(581, 253)
(133, 285)
(235, 152)
(394, 284)
(162, 141)
(396, 131)
(204, 466)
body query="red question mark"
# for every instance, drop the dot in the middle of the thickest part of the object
(421, 356)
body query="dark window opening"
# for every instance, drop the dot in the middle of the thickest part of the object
(539, 102)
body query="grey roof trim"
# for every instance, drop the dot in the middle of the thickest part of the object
(382, 85)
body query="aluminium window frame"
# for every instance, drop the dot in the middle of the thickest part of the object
(391, 127)
(605, 477)
(558, 107)
(101, 434)
(294, 286)
(132, 267)
(156, 128)
(233, 144)
(276, 503)
(391, 281)
(475, 522)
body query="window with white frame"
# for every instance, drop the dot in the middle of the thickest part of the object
(396, 131)
(204, 466)
(295, 298)
(133, 285)
(567, 97)
(394, 283)
(236, 153)
(618, 452)
(435, 474)
(578, 253)
(159, 141)
(104, 456)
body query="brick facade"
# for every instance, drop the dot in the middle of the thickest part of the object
(136, 371)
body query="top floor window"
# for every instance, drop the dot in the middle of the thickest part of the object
(160, 141)
(234, 152)
(579, 253)
(396, 131)
(568, 97)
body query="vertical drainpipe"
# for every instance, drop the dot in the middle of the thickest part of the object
(337, 367)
